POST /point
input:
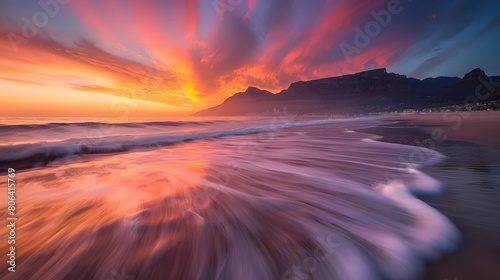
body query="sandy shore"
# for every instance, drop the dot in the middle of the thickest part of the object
(478, 127)
(471, 175)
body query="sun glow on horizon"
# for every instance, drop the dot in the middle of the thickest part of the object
(190, 55)
(45, 101)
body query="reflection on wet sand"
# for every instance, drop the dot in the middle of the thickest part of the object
(297, 205)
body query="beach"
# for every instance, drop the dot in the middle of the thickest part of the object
(252, 198)
(471, 175)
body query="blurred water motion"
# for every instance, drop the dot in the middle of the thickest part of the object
(308, 202)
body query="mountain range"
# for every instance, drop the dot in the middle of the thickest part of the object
(365, 92)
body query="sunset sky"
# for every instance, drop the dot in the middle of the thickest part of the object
(152, 58)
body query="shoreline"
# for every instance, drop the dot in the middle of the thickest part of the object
(475, 127)
(471, 176)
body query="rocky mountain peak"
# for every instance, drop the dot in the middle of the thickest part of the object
(474, 75)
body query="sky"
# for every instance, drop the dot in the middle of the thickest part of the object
(162, 58)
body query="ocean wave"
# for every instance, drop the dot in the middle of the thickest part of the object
(20, 127)
(41, 153)
(299, 205)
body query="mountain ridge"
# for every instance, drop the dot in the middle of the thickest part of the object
(369, 91)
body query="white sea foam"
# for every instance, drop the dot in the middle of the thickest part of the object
(295, 202)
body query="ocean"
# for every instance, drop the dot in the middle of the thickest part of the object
(231, 198)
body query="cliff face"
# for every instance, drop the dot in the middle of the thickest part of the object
(348, 86)
(374, 90)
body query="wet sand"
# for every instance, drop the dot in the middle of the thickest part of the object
(471, 175)
(477, 127)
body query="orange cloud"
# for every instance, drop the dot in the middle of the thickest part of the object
(180, 53)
